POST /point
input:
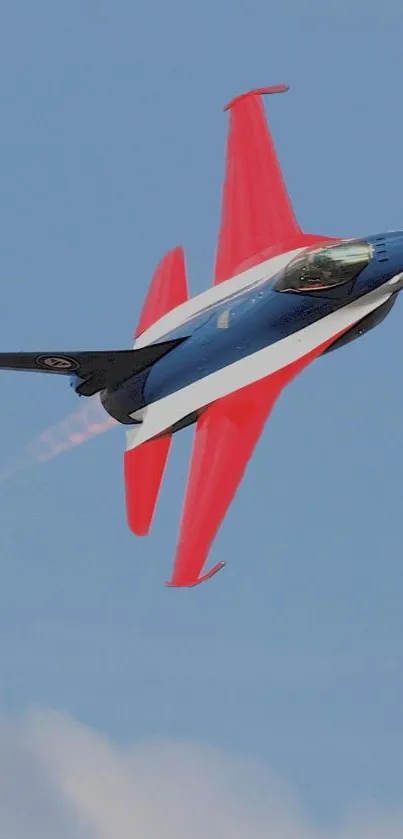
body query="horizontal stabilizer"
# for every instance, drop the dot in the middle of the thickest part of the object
(93, 371)
(144, 470)
(168, 290)
(144, 466)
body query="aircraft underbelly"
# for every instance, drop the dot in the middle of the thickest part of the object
(165, 413)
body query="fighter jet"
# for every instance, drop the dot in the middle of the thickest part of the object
(280, 298)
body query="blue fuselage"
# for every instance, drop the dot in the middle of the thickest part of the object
(253, 319)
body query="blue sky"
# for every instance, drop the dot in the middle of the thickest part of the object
(111, 152)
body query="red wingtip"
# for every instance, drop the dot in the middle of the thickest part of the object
(259, 91)
(178, 583)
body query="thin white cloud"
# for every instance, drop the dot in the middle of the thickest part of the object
(61, 779)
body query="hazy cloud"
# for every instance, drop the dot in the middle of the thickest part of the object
(60, 779)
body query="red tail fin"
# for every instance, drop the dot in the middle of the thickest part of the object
(144, 467)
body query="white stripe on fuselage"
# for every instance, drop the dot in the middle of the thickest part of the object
(260, 273)
(164, 413)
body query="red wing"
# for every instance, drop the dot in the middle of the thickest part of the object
(256, 210)
(226, 435)
(144, 467)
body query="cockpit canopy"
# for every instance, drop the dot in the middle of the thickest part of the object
(324, 267)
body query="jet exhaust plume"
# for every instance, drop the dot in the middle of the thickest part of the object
(76, 429)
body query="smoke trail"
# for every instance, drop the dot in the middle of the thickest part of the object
(76, 429)
(73, 431)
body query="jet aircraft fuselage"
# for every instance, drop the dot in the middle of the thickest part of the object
(280, 298)
(259, 311)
